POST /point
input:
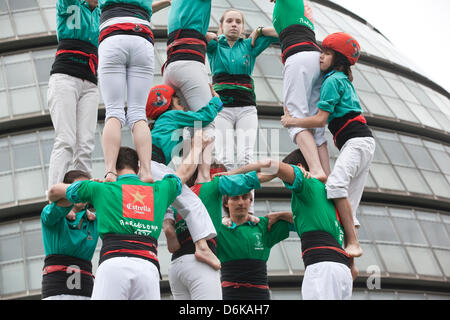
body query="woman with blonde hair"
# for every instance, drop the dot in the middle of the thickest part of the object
(232, 58)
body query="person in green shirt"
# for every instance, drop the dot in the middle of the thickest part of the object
(130, 215)
(294, 23)
(204, 282)
(232, 59)
(70, 235)
(329, 268)
(72, 95)
(339, 106)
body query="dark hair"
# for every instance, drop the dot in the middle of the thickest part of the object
(296, 157)
(225, 199)
(72, 175)
(127, 158)
(341, 63)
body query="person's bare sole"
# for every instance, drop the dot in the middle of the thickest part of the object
(354, 250)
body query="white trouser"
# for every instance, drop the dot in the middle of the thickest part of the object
(349, 174)
(301, 90)
(239, 122)
(327, 281)
(73, 105)
(191, 82)
(191, 279)
(67, 297)
(126, 278)
(189, 206)
(125, 69)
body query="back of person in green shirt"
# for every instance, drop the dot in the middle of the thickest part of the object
(130, 215)
(329, 268)
(70, 235)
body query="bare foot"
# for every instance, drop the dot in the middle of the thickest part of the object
(354, 250)
(204, 254)
(110, 177)
(147, 178)
(321, 177)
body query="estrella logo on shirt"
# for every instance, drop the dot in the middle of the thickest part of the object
(138, 202)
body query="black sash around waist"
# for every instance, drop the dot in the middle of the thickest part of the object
(186, 44)
(188, 246)
(123, 10)
(59, 274)
(76, 58)
(158, 155)
(129, 245)
(297, 38)
(351, 125)
(245, 279)
(320, 246)
(235, 90)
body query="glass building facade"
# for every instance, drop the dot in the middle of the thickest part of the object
(405, 209)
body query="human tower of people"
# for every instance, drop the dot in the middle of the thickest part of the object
(204, 207)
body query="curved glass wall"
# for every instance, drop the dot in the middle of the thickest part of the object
(397, 241)
(404, 164)
(24, 79)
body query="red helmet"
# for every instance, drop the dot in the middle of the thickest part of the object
(343, 43)
(159, 100)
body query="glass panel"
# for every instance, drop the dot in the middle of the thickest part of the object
(403, 92)
(413, 180)
(29, 184)
(438, 184)
(385, 177)
(280, 205)
(380, 85)
(380, 228)
(271, 66)
(400, 109)
(374, 103)
(255, 19)
(34, 268)
(395, 259)
(25, 151)
(436, 233)
(396, 152)
(294, 254)
(25, 100)
(260, 208)
(10, 248)
(410, 231)
(242, 4)
(29, 22)
(43, 67)
(360, 82)
(424, 261)
(6, 30)
(33, 243)
(7, 194)
(422, 114)
(276, 260)
(421, 156)
(5, 162)
(369, 259)
(50, 16)
(19, 74)
(277, 86)
(442, 159)
(12, 278)
(4, 112)
(263, 91)
(443, 257)
(22, 4)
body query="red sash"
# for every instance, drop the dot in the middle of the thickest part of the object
(296, 45)
(136, 27)
(56, 268)
(226, 284)
(359, 118)
(92, 57)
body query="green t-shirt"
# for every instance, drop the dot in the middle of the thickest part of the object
(238, 59)
(289, 12)
(76, 238)
(211, 194)
(128, 205)
(75, 20)
(311, 209)
(338, 96)
(249, 241)
(189, 14)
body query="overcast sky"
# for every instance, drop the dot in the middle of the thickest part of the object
(419, 29)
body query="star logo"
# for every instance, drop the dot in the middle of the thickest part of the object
(138, 197)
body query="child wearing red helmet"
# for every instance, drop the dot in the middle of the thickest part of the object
(170, 118)
(339, 106)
